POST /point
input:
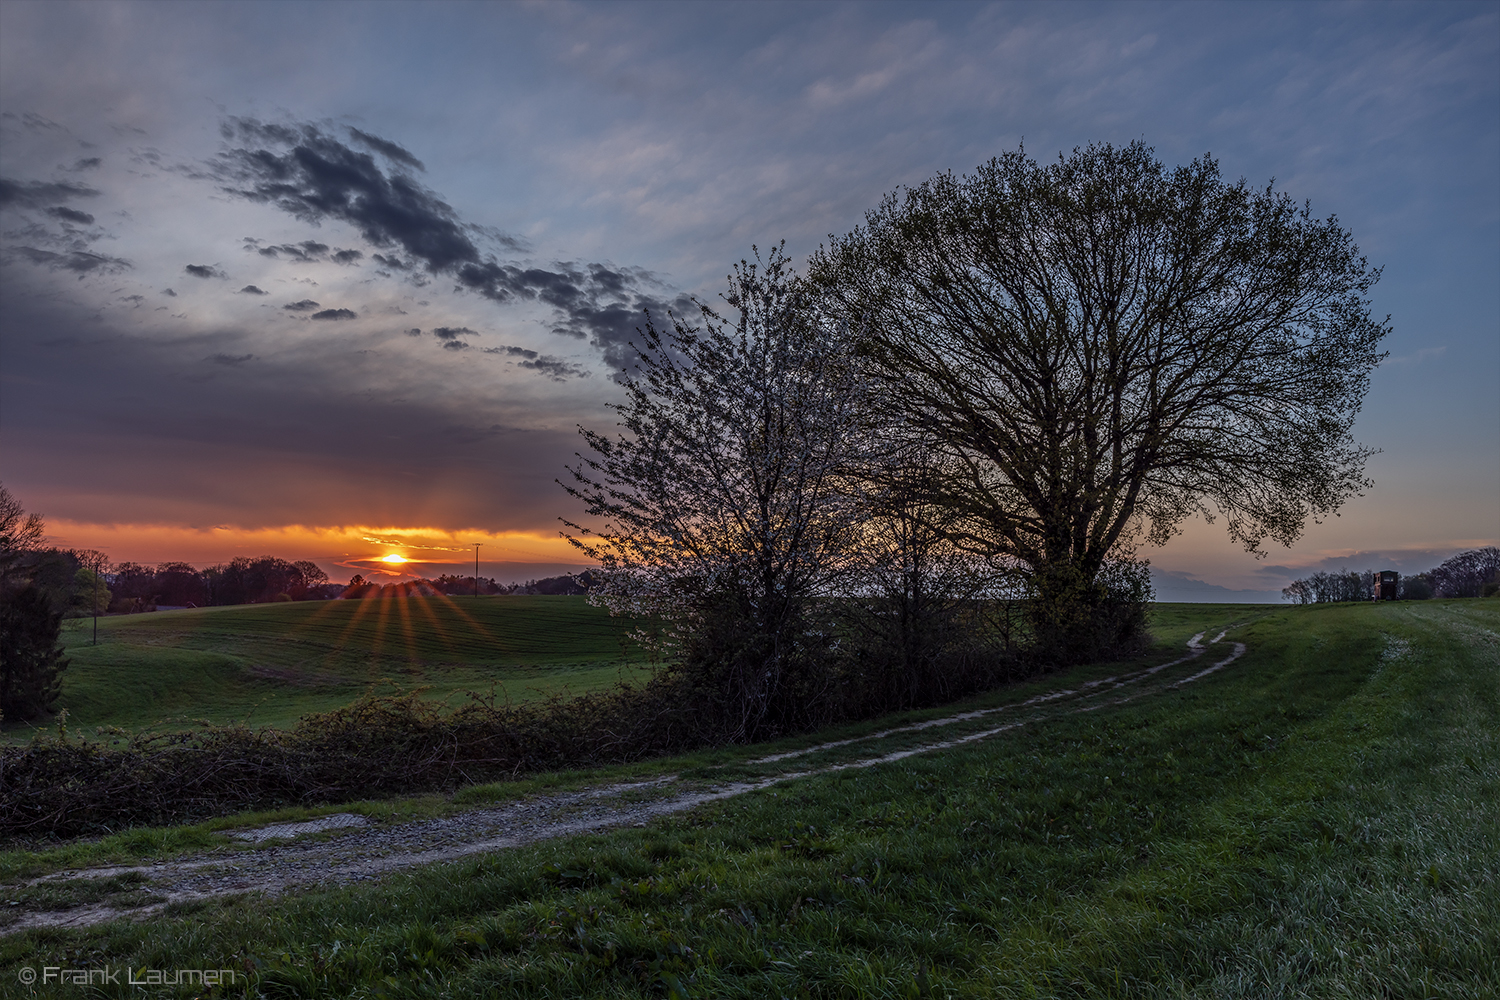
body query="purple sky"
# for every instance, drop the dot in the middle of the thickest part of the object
(221, 224)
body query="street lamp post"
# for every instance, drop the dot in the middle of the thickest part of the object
(476, 569)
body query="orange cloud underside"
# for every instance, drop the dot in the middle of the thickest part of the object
(342, 545)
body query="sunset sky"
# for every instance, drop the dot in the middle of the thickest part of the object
(332, 281)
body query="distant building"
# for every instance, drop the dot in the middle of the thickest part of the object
(1385, 585)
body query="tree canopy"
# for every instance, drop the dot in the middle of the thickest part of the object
(1103, 346)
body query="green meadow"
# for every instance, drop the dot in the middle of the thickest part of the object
(270, 664)
(1321, 818)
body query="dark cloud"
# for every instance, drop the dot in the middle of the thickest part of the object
(1403, 560)
(450, 335)
(334, 314)
(306, 305)
(136, 300)
(88, 163)
(305, 252)
(415, 331)
(71, 215)
(282, 441)
(168, 292)
(1172, 586)
(204, 271)
(35, 194)
(310, 174)
(36, 122)
(386, 148)
(79, 261)
(314, 177)
(230, 359)
(615, 326)
(556, 369)
(518, 352)
(252, 290)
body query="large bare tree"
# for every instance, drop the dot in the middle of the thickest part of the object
(1103, 346)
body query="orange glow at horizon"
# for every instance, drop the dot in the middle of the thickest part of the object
(342, 547)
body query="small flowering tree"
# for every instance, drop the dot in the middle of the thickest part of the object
(724, 509)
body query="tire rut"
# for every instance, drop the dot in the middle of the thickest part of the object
(360, 852)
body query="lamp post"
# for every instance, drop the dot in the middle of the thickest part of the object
(476, 569)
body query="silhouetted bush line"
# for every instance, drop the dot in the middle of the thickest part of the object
(64, 786)
(378, 746)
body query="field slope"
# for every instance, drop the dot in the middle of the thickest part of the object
(1320, 817)
(272, 663)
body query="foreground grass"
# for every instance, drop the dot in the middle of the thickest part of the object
(271, 664)
(1171, 626)
(1320, 819)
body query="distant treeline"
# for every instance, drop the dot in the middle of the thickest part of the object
(134, 587)
(131, 587)
(1475, 573)
(460, 586)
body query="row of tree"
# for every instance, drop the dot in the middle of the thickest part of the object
(242, 580)
(996, 388)
(464, 586)
(1474, 573)
(130, 587)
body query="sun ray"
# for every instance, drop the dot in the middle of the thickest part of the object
(381, 620)
(403, 613)
(458, 610)
(439, 628)
(477, 625)
(362, 607)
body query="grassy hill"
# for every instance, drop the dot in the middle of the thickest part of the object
(1320, 818)
(272, 663)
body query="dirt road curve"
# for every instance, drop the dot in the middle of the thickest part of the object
(356, 850)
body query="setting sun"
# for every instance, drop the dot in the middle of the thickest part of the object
(394, 557)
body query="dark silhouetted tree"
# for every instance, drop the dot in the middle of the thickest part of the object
(31, 662)
(1102, 347)
(178, 584)
(1465, 574)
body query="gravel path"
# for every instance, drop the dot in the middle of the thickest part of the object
(360, 851)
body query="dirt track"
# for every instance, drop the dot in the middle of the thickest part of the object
(355, 850)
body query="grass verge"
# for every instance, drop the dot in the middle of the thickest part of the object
(1319, 820)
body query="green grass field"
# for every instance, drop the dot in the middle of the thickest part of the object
(1319, 819)
(270, 664)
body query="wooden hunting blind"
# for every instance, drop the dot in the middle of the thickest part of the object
(1385, 585)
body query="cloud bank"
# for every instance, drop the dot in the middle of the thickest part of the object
(308, 172)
